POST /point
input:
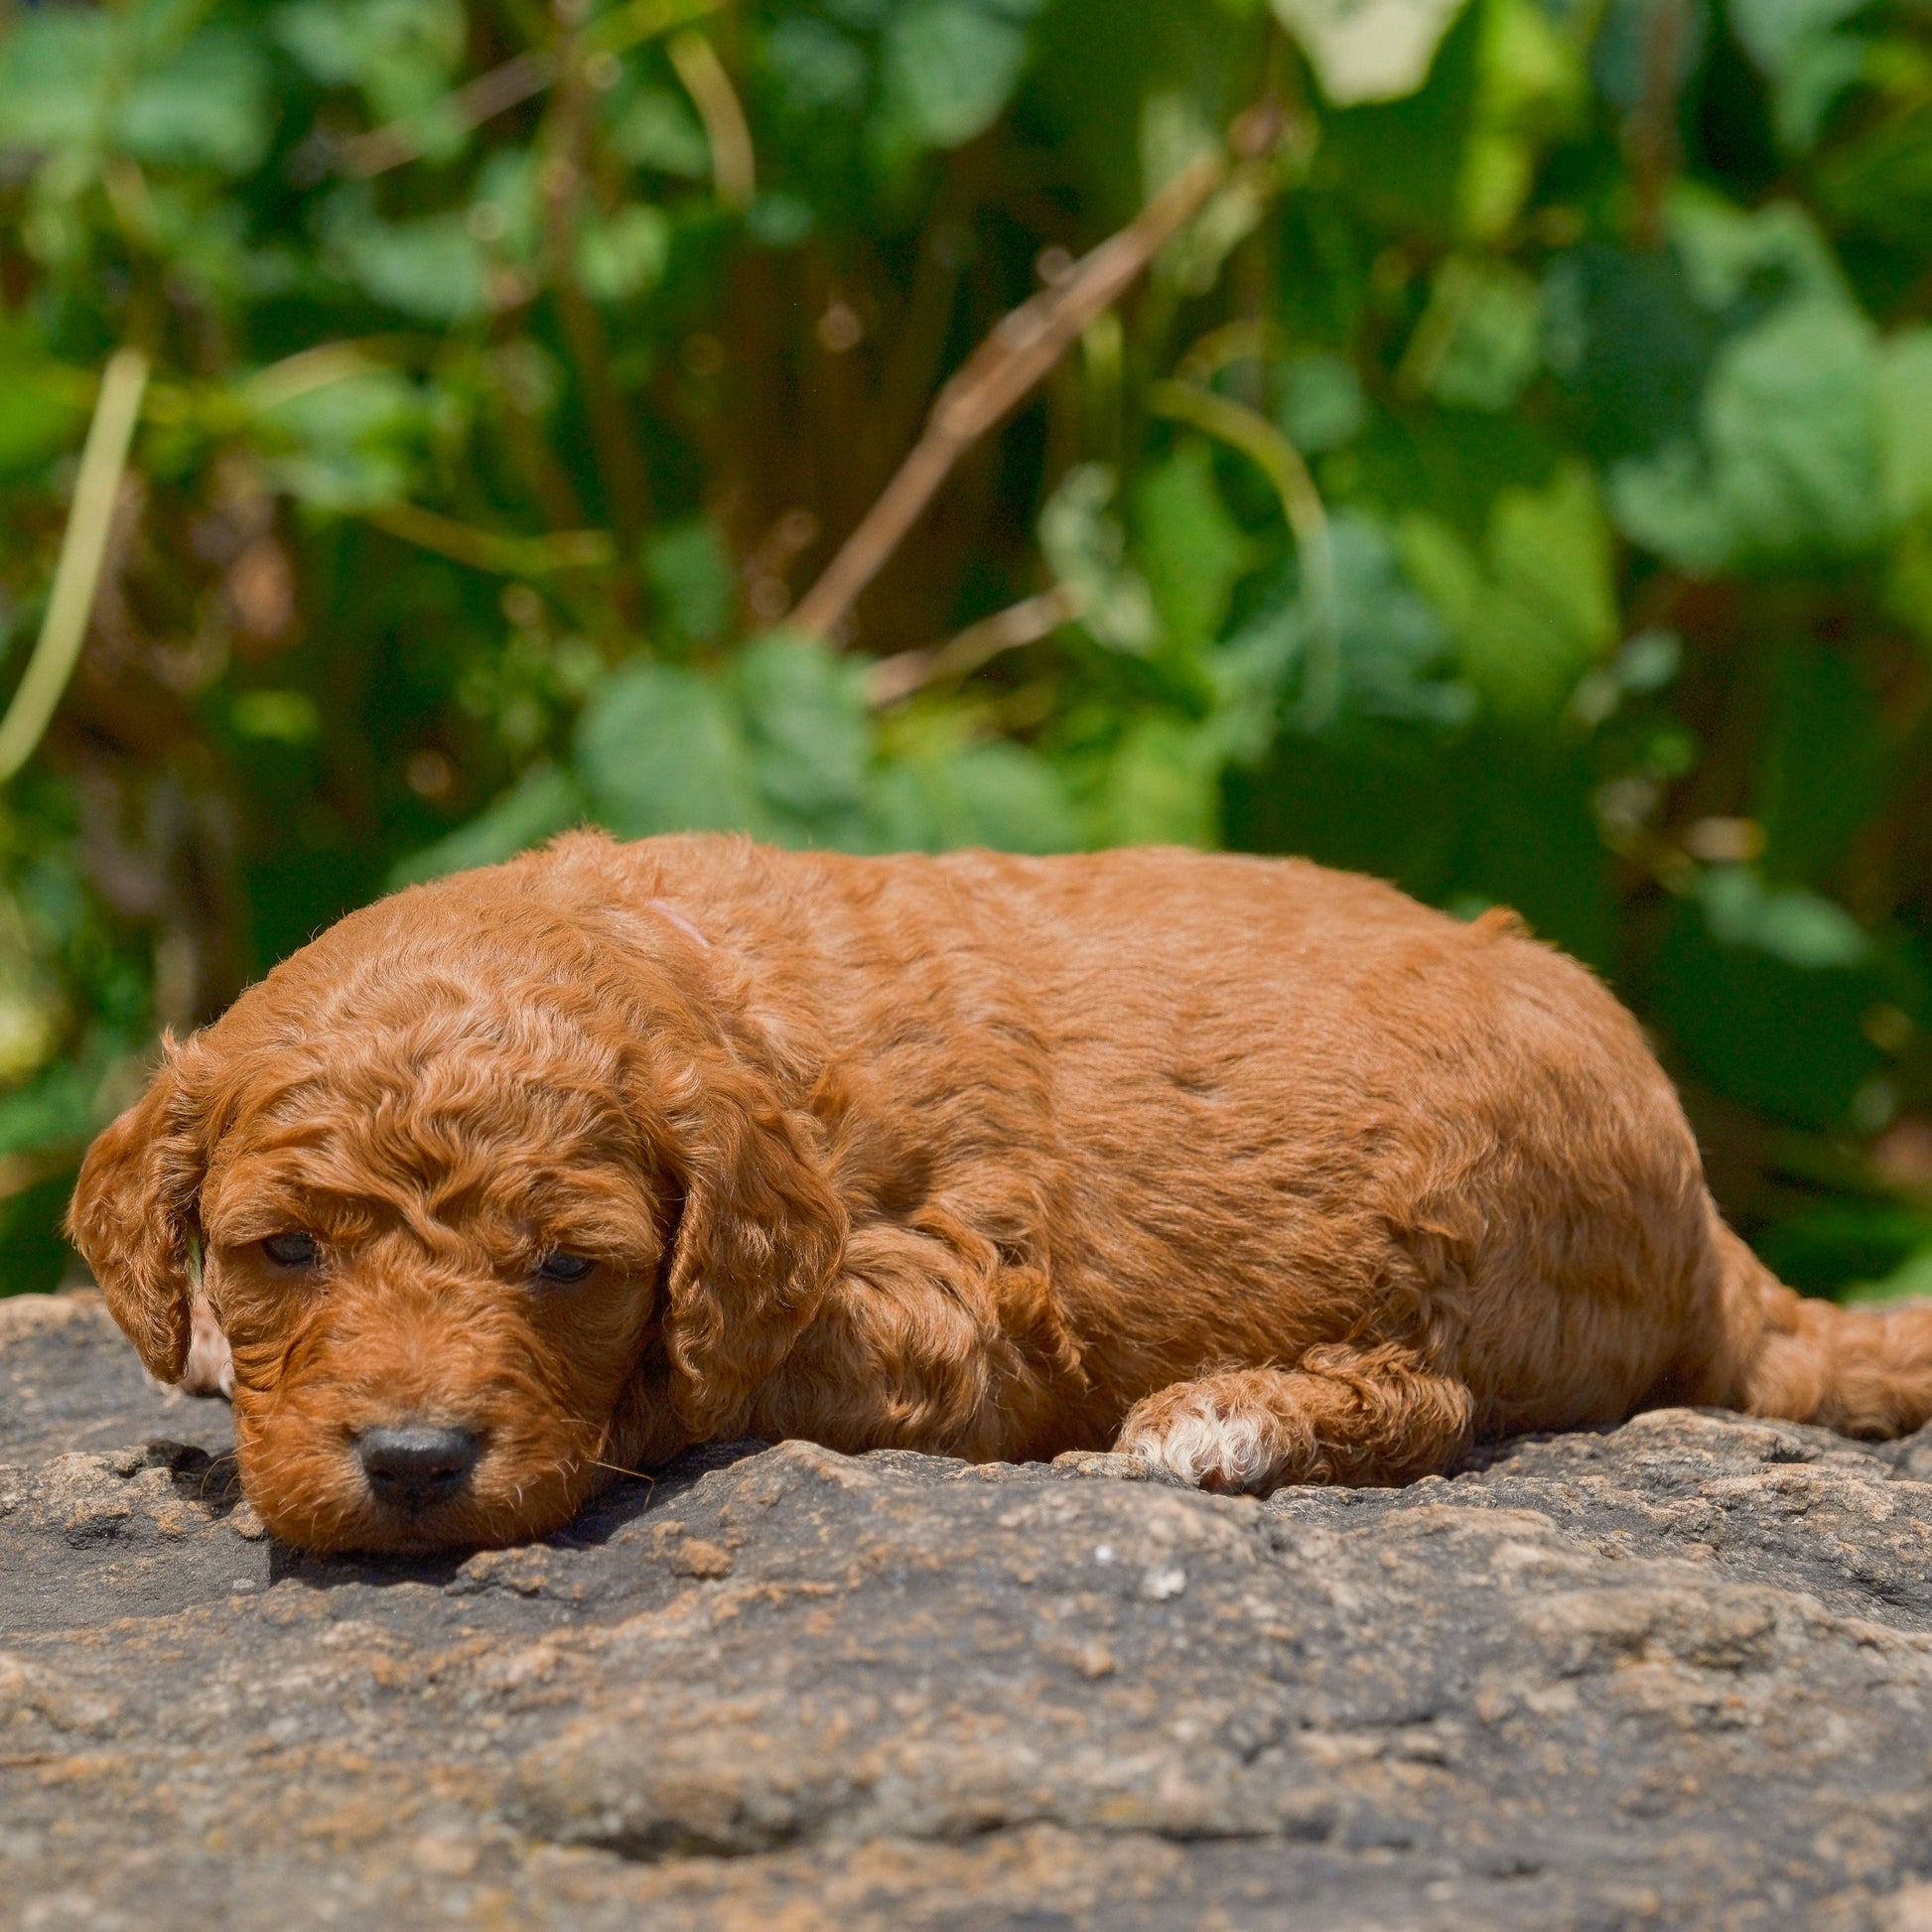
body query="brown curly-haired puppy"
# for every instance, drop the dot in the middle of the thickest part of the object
(1263, 1172)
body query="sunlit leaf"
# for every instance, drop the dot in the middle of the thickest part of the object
(1368, 49)
(1538, 608)
(1905, 421)
(277, 717)
(1162, 787)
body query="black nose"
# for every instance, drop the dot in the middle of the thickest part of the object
(409, 1467)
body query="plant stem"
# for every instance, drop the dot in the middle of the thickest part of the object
(83, 547)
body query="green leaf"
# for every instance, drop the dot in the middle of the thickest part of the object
(1189, 549)
(1531, 87)
(1910, 1281)
(660, 750)
(817, 68)
(657, 130)
(53, 67)
(431, 268)
(1400, 165)
(1480, 339)
(1631, 347)
(807, 727)
(1765, 990)
(690, 573)
(997, 794)
(779, 746)
(1774, 32)
(347, 446)
(1906, 422)
(951, 65)
(1786, 922)
(1824, 759)
(51, 1111)
(622, 255)
(402, 54)
(1162, 785)
(1788, 465)
(1321, 406)
(209, 105)
(1809, 65)
(277, 717)
(1539, 608)
(35, 422)
(542, 804)
(1084, 547)
(1379, 654)
(1766, 254)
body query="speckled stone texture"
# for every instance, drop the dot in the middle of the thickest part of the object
(1675, 1675)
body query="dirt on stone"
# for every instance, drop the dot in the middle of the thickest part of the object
(1676, 1674)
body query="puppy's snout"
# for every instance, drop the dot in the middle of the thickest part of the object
(417, 1465)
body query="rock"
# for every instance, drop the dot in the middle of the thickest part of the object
(1675, 1674)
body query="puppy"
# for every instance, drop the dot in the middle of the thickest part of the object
(1260, 1173)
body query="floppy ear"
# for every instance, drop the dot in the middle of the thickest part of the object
(132, 1217)
(757, 1245)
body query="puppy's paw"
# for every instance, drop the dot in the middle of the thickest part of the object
(1203, 1437)
(210, 1369)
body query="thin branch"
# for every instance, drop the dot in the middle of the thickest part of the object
(490, 550)
(622, 469)
(1653, 127)
(1251, 433)
(734, 165)
(483, 98)
(1005, 368)
(894, 679)
(83, 548)
(309, 370)
(518, 80)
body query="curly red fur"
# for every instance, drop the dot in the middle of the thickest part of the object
(1263, 1171)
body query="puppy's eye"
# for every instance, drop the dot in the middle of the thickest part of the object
(562, 1270)
(293, 1250)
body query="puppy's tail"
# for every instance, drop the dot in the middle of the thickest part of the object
(1861, 1371)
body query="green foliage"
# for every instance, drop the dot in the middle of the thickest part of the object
(1520, 486)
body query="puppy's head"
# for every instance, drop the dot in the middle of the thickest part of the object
(486, 1198)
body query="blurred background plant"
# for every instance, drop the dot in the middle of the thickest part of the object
(1515, 480)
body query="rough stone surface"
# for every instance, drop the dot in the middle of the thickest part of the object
(1675, 1675)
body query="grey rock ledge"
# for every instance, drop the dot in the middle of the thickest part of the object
(1676, 1674)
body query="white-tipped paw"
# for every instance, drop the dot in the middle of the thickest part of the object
(1202, 1443)
(210, 1368)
